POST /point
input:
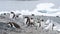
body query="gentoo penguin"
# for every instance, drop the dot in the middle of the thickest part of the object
(12, 15)
(32, 21)
(27, 19)
(13, 24)
(10, 24)
(42, 23)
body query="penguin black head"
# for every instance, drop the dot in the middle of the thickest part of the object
(42, 20)
(12, 12)
(4, 13)
(26, 17)
(31, 18)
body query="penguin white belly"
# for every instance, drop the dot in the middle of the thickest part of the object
(25, 21)
(32, 21)
(13, 26)
(42, 24)
(9, 25)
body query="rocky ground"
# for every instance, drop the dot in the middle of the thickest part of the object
(25, 30)
(30, 30)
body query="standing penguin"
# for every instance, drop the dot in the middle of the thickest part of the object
(32, 21)
(42, 23)
(25, 20)
(12, 15)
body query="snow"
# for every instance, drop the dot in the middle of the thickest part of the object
(57, 28)
(49, 26)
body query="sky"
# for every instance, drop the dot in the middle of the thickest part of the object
(20, 5)
(49, 6)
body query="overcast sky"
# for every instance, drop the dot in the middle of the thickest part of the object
(22, 5)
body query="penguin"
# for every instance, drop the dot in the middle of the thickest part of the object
(12, 15)
(13, 24)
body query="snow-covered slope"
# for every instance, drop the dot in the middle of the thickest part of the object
(36, 12)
